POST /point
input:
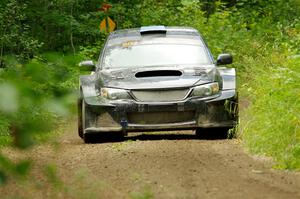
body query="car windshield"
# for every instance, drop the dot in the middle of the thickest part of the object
(154, 55)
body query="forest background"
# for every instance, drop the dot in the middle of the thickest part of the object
(42, 42)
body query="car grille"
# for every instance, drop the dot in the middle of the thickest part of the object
(160, 117)
(160, 95)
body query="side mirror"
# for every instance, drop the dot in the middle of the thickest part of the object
(224, 59)
(87, 65)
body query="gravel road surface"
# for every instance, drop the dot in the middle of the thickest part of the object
(161, 165)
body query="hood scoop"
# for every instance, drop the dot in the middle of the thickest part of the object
(158, 73)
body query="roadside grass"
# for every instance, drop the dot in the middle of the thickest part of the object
(268, 78)
(271, 125)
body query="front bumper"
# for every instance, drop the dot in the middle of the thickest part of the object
(122, 115)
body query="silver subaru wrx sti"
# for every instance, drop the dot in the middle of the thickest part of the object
(156, 78)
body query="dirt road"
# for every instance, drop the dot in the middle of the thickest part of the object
(164, 165)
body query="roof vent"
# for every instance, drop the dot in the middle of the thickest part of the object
(153, 30)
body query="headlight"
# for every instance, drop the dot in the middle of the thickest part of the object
(114, 94)
(205, 90)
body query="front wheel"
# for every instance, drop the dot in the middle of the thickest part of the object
(95, 137)
(79, 118)
(87, 138)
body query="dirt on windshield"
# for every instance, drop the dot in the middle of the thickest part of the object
(151, 165)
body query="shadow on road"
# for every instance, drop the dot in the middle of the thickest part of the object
(176, 136)
(211, 135)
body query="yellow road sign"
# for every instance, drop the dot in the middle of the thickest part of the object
(107, 25)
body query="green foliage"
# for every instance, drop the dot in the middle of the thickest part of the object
(92, 51)
(15, 34)
(268, 78)
(3, 178)
(274, 126)
(35, 93)
(30, 26)
(18, 170)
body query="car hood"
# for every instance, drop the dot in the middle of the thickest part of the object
(157, 77)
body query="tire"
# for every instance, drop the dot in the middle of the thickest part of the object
(79, 117)
(95, 137)
(89, 138)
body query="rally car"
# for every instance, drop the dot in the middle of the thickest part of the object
(156, 78)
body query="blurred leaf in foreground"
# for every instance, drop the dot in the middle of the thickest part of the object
(3, 178)
(23, 167)
(8, 98)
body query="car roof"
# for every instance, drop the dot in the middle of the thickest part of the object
(168, 32)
